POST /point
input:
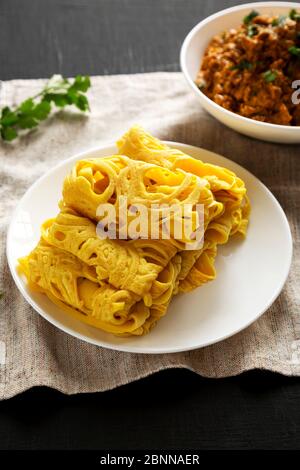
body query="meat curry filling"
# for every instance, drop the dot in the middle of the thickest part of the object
(251, 70)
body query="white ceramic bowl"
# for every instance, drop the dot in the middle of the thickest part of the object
(193, 49)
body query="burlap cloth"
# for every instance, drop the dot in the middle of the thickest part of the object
(33, 352)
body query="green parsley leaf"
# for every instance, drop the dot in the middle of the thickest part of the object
(252, 30)
(42, 110)
(9, 118)
(81, 83)
(294, 15)
(250, 17)
(82, 103)
(294, 50)
(58, 91)
(72, 96)
(5, 111)
(270, 76)
(243, 65)
(60, 100)
(8, 133)
(26, 121)
(27, 106)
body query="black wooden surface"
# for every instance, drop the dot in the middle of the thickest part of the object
(173, 409)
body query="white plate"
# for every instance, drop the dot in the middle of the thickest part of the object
(250, 273)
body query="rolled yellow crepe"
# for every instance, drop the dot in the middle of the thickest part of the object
(124, 286)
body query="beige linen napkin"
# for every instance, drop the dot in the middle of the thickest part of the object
(33, 352)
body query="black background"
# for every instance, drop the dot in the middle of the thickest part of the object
(172, 409)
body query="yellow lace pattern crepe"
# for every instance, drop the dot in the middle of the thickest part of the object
(125, 286)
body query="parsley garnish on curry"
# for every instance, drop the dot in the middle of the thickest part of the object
(250, 70)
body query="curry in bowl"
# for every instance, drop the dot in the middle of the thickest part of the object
(253, 70)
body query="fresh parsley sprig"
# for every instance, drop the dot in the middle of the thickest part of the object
(270, 76)
(58, 91)
(295, 51)
(294, 15)
(253, 14)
